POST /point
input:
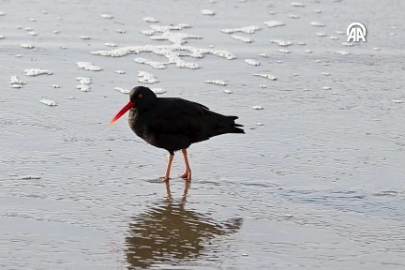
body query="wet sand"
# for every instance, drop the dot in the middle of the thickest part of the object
(315, 183)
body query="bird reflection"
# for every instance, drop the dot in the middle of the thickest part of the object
(170, 232)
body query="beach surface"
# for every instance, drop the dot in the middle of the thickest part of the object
(317, 181)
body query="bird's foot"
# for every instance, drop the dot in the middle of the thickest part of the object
(165, 178)
(186, 175)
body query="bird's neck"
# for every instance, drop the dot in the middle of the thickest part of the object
(146, 109)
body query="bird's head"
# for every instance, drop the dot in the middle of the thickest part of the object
(140, 97)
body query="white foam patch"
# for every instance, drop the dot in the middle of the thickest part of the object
(149, 32)
(208, 12)
(293, 16)
(107, 16)
(165, 28)
(146, 77)
(84, 80)
(227, 91)
(158, 91)
(120, 72)
(48, 102)
(398, 101)
(177, 38)
(257, 108)
(273, 23)
(36, 72)
(56, 32)
(88, 66)
(318, 24)
(347, 44)
(154, 64)
(245, 29)
(284, 51)
(342, 52)
(15, 82)
(85, 37)
(264, 55)
(30, 177)
(252, 62)
(150, 20)
(122, 90)
(121, 31)
(333, 37)
(267, 76)
(326, 88)
(171, 52)
(297, 4)
(325, 73)
(84, 85)
(321, 34)
(55, 86)
(242, 38)
(216, 82)
(308, 51)
(108, 44)
(32, 33)
(1, 37)
(282, 43)
(2, 13)
(27, 46)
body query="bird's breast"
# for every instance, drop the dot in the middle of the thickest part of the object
(139, 123)
(135, 122)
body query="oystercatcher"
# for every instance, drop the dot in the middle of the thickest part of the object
(173, 123)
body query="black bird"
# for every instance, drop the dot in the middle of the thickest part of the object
(173, 123)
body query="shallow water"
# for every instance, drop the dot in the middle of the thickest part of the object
(316, 182)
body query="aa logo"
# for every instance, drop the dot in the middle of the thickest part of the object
(356, 31)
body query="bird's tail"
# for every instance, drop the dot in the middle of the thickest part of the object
(224, 124)
(235, 128)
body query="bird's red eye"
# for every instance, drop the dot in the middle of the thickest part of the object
(140, 96)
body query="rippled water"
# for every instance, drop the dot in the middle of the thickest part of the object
(317, 181)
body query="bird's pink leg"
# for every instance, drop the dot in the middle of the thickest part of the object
(166, 177)
(187, 174)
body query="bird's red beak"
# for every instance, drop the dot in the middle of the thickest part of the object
(122, 112)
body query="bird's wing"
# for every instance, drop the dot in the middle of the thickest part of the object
(202, 106)
(178, 116)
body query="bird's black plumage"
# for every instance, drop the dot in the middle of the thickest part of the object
(175, 123)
